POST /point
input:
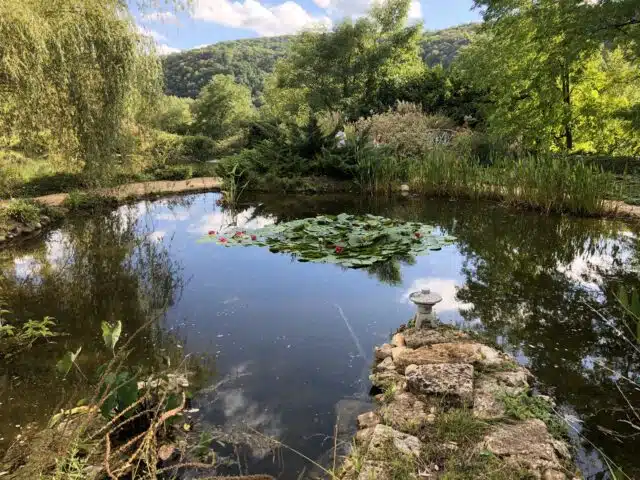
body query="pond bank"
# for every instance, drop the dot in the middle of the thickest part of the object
(452, 406)
(55, 206)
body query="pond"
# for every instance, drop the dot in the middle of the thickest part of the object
(287, 345)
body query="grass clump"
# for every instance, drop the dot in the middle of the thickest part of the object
(450, 447)
(87, 201)
(524, 407)
(23, 211)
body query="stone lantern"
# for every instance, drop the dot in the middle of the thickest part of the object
(425, 300)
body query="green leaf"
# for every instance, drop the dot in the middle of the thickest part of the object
(111, 334)
(63, 366)
(635, 304)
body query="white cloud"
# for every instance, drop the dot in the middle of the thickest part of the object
(415, 12)
(356, 8)
(268, 20)
(164, 17)
(223, 221)
(164, 49)
(147, 32)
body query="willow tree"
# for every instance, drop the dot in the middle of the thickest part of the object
(75, 71)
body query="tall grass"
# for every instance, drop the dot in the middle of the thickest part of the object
(546, 183)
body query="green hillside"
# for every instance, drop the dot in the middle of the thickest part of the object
(251, 60)
(441, 46)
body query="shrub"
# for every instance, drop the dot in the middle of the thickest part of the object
(407, 130)
(23, 211)
(87, 201)
(198, 148)
(174, 172)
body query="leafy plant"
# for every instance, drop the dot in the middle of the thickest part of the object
(345, 239)
(23, 211)
(111, 334)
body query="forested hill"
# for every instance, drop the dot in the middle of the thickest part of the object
(251, 60)
(441, 46)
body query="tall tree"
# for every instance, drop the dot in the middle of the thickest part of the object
(343, 69)
(529, 62)
(222, 107)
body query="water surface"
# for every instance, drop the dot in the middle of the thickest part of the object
(290, 343)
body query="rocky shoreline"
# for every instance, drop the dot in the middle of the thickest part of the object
(452, 407)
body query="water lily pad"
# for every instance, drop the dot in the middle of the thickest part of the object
(347, 240)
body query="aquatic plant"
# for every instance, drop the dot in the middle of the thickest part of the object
(347, 240)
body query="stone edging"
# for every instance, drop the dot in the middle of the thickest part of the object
(439, 383)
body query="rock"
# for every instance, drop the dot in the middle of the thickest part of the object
(385, 365)
(453, 381)
(27, 229)
(363, 437)
(165, 452)
(383, 352)
(45, 220)
(527, 444)
(10, 236)
(404, 188)
(475, 353)
(419, 337)
(398, 340)
(489, 388)
(553, 475)
(406, 413)
(368, 420)
(384, 437)
(2, 238)
(396, 352)
(38, 226)
(386, 379)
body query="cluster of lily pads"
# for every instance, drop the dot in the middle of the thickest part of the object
(347, 240)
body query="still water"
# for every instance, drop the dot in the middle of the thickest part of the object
(288, 345)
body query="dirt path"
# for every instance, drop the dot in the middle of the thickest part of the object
(140, 189)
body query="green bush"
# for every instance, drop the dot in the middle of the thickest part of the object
(174, 172)
(198, 148)
(171, 149)
(23, 211)
(408, 131)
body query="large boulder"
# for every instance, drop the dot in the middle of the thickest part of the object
(527, 444)
(452, 381)
(489, 389)
(420, 337)
(473, 353)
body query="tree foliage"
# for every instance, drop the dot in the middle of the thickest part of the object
(222, 107)
(76, 70)
(546, 89)
(173, 114)
(344, 69)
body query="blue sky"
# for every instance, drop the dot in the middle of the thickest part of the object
(210, 21)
